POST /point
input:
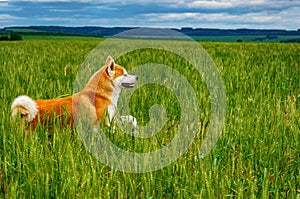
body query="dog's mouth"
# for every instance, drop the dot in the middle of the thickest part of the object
(128, 85)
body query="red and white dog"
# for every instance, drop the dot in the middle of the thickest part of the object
(99, 96)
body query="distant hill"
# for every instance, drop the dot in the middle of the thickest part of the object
(61, 30)
(193, 32)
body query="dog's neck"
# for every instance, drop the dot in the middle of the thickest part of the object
(114, 99)
(115, 96)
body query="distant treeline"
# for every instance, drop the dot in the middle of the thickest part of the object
(262, 35)
(106, 32)
(297, 40)
(235, 32)
(67, 31)
(11, 37)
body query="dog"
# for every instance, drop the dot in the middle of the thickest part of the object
(98, 99)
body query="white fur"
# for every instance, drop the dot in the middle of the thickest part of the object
(26, 103)
(114, 99)
(117, 83)
(129, 119)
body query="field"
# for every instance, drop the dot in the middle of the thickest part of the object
(257, 155)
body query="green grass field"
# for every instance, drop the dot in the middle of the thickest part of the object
(257, 156)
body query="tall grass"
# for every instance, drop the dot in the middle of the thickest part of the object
(257, 155)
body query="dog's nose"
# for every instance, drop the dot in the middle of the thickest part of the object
(136, 77)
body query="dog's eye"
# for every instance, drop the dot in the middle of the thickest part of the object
(125, 75)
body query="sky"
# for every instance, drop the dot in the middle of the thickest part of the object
(224, 14)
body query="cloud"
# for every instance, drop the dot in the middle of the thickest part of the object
(224, 20)
(156, 13)
(53, 1)
(5, 6)
(209, 4)
(9, 18)
(252, 4)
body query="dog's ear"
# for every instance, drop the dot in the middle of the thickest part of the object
(110, 66)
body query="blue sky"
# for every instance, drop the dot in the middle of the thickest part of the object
(261, 14)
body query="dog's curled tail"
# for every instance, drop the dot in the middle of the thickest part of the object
(26, 106)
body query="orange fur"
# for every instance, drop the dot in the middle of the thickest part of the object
(96, 97)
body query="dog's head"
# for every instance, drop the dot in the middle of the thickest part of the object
(119, 76)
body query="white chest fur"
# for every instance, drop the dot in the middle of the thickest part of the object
(114, 99)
